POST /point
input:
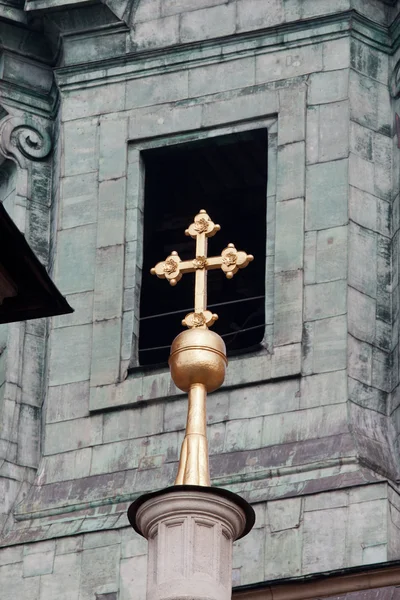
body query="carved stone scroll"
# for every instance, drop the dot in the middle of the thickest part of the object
(21, 140)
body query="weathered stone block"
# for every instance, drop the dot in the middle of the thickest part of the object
(291, 171)
(334, 499)
(248, 555)
(381, 370)
(39, 563)
(13, 585)
(80, 146)
(93, 101)
(369, 62)
(149, 91)
(367, 396)
(132, 544)
(288, 307)
(32, 369)
(310, 423)
(208, 23)
(284, 514)
(79, 200)
(134, 423)
(324, 7)
(10, 555)
(368, 522)
(362, 315)
(105, 352)
(360, 360)
(157, 33)
(67, 402)
(289, 235)
(245, 106)
(324, 540)
(289, 63)
(325, 300)
(223, 76)
(361, 141)
(173, 7)
(75, 259)
(292, 113)
(310, 255)
(363, 94)
(383, 166)
(64, 582)
(118, 456)
(170, 119)
(362, 260)
(100, 539)
(331, 254)
(336, 54)
(251, 14)
(326, 388)
(326, 197)
(265, 399)
(100, 571)
(369, 211)
(133, 575)
(286, 360)
(312, 138)
(70, 435)
(333, 142)
(83, 311)
(361, 173)
(66, 466)
(283, 554)
(111, 217)
(113, 148)
(243, 434)
(109, 283)
(147, 10)
(72, 346)
(329, 344)
(327, 87)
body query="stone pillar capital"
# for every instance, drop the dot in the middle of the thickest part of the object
(190, 530)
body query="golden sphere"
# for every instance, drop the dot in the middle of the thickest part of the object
(198, 356)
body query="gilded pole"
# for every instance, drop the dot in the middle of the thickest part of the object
(198, 356)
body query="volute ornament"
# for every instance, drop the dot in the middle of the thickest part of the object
(20, 139)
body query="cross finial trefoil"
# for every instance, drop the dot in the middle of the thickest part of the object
(230, 261)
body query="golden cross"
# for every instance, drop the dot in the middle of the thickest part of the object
(230, 261)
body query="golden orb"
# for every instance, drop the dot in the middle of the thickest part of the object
(198, 356)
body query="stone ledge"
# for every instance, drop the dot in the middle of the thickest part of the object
(294, 467)
(162, 60)
(138, 388)
(33, 5)
(360, 484)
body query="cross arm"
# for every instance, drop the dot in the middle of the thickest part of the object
(230, 261)
(172, 268)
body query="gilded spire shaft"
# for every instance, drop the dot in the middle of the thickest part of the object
(198, 356)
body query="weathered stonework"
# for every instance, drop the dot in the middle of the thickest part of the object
(308, 428)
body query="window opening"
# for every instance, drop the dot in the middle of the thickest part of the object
(227, 176)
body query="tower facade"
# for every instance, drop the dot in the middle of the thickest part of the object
(278, 116)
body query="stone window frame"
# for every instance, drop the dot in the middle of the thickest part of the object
(280, 355)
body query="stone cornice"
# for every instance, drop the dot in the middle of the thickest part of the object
(121, 8)
(150, 62)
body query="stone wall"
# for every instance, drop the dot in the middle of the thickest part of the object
(306, 428)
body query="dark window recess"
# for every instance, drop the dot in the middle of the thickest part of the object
(227, 176)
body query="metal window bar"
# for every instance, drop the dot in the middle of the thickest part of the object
(184, 310)
(223, 336)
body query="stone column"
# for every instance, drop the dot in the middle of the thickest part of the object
(190, 530)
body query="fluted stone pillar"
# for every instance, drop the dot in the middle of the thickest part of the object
(190, 530)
